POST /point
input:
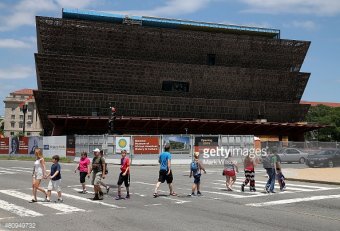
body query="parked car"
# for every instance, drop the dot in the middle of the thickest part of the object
(324, 158)
(292, 155)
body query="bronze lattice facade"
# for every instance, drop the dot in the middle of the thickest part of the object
(84, 64)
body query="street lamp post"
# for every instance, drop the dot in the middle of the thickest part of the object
(24, 110)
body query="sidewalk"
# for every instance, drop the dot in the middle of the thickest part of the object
(314, 175)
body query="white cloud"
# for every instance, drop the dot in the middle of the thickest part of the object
(17, 72)
(306, 25)
(171, 8)
(315, 7)
(14, 43)
(24, 12)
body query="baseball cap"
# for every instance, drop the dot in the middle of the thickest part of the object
(96, 150)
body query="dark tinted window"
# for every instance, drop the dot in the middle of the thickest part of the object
(175, 86)
(211, 59)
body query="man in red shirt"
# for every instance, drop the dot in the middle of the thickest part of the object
(124, 175)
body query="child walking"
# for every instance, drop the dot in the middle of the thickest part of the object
(124, 176)
(55, 179)
(249, 172)
(195, 170)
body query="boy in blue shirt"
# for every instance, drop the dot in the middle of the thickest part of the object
(165, 173)
(55, 179)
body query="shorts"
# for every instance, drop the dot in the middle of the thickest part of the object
(96, 178)
(125, 179)
(54, 185)
(82, 177)
(38, 176)
(229, 173)
(197, 178)
(163, 176)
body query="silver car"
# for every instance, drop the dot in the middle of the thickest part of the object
(292, 155)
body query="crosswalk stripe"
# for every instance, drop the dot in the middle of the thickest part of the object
(62, 207)
(295, 200)
(15, 170)
(22, 168)
(276, 185)
(290, 185)
(2, 172)
(91, 201)
(18, 210)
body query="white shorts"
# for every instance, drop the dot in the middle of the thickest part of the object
(38, 176)
(54, 185)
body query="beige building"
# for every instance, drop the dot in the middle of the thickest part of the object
(14, 116)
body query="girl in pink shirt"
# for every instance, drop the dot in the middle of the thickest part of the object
(83, 168)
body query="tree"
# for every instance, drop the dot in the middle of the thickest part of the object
(329, 116)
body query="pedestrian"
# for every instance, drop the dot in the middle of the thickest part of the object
(98, 173)
(165, 173)
(55, 179)
(279, 175)
(230, 170)
(269, 163)
(196, 168)
(39, 172)
(83, 168)
(107, 187)
(249, 172)
(124, 175)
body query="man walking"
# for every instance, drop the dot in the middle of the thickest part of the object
(165, 173)
(269, 163)
(98, 173)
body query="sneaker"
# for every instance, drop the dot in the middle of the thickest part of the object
(118, 197)
(199, 193)
(272, 192)
(107, 189)
(60, 200)
(253, 190)
(266, 189)
(155, 195)
(84, 192)
(242, 188)
(192, 194)
(95, 198)
(127, 196)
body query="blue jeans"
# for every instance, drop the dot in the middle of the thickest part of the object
(271, 179)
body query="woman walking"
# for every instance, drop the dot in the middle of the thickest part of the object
(39, 172)
(230, 170)
(83, 168)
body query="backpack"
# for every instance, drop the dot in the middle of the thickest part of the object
(267, 161)
(194, 167)
(106, 170)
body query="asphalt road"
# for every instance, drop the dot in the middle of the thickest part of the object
(304, 206)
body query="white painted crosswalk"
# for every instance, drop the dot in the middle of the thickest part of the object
(15, 201)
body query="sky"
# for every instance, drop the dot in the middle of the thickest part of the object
(317, 21)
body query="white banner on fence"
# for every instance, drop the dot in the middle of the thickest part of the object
(122, 143)
(54, 145)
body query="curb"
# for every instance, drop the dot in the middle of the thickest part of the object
(314, 181)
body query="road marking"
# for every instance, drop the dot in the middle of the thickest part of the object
(16, 170)
(289, 188)
(62, 207)
(289, 185)
(152, 205)
(18, 210)
(91, 201)
(23, 168)
(138, 182)
(294, 200)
